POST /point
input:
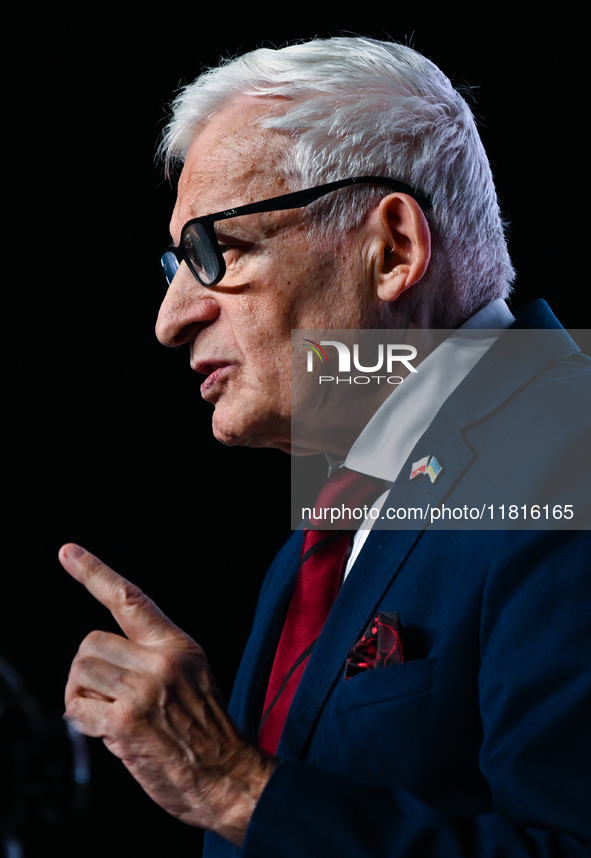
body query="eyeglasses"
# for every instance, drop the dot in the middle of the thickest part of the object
(199, 246)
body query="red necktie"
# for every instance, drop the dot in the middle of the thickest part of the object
(319, 578)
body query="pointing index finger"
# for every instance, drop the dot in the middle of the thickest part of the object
(137, 616)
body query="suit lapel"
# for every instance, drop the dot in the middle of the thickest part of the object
(362, 591)
(443, 439)
(262, 643)
(512, 362)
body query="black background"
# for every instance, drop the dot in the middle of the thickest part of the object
(108, 442)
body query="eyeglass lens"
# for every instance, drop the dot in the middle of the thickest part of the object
(197, 249)
(170, 265)
(200, 253)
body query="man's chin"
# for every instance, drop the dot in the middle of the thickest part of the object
(246, 433)
(228, 437)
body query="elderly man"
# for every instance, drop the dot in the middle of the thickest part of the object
(470, 738)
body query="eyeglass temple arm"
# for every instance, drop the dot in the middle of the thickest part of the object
(303, 198)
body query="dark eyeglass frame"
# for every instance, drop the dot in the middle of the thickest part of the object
(295, 200)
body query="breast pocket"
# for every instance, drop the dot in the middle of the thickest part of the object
(383, 684)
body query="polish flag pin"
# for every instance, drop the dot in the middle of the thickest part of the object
(419, 467)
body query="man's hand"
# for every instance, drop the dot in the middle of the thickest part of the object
(152, 699)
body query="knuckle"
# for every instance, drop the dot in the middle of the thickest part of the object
(128, 592)
(164, 665)
(83, 666)
(172, 666)
(125, 716)
(93, 641)
(75, 672)
(76, 716)
(73, 709)
(130, 597)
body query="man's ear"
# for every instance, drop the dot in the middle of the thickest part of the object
(403, 245)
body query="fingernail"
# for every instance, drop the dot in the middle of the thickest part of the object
(74, 551)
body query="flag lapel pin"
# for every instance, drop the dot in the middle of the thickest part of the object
(419, 467)
(428, 465)
(433, 469)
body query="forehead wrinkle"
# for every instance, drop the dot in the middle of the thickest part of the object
(235, 170)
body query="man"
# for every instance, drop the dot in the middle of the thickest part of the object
(476, 742)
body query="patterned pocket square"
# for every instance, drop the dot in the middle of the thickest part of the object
(379, 646)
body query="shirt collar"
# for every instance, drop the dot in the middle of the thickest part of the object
(387, 440)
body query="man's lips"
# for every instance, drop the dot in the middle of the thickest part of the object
(214, 370)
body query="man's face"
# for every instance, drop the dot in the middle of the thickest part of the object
(277, 278)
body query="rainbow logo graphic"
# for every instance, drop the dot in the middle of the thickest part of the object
(315, 348)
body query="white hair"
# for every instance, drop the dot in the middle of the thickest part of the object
(358, 107)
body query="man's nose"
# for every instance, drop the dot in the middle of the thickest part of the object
(187, 307)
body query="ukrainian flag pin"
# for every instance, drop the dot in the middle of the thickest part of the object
(433, 469)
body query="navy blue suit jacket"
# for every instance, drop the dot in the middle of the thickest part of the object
(479, 744)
